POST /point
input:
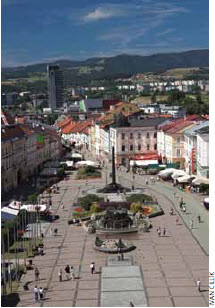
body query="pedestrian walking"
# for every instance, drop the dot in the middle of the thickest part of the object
(60, 274)
(147, 182)
(62, 207)
(198, 284)
(181, 203)
(118, 255)
(72, 272)
(199, 218)
(191, 224)
(41, 293)
(35, 294)
(67, 270)
(131, 304)
(92, 267)
(171, 211)
(164, 231)
(36, 273)
(159, 231)
(184, 209)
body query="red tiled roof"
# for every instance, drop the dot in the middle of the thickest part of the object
(81, 126)
(178, 125)
(68, 128)
(26, 129)
(11, 132)
(6, 119)
(64, 122)
(20, 119)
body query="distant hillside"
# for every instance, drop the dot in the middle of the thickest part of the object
(121, 64)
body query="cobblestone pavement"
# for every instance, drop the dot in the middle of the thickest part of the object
(170, 264)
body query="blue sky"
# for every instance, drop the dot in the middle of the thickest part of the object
(47, 30)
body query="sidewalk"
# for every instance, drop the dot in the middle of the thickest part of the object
(193, 204)
(170, 265)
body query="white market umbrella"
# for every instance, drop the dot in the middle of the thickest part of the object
(178, 173)
(200, 180)
(166, 172)
(185, 178)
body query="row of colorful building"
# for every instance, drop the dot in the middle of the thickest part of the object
(154, 138)
(24, 149)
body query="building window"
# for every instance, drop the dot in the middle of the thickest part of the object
(123, 148)
(139, 147)
(147, 135)
(155, 146)
(131, 135)
(178, 139)
(155, 135)
(131, 147)
(123, 136)
(148, 146)
(139, 135)
(178, 153)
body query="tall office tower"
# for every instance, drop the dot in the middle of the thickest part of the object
(55, 86)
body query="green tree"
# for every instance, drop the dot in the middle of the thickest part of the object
(95, 208)
(136, 207)
(175, 97)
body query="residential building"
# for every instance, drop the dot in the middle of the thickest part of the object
(190, 147)
(12, 156)
(171, 140)
(134, 138)
(90, 104)
(24, 150)
(202, 155)
(9, 98)
(55, 86)
(149, 109)
(175, 111)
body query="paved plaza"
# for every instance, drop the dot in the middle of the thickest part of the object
(169, 266)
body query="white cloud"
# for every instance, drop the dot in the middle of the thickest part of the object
(102, 13)
(165, 32)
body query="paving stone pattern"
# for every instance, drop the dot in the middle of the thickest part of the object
(170, 265)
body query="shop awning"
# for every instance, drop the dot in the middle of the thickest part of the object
(34, 207)
(87, 163)
(143, 162)
(8, 214)
(178, 173)
(16, 205)
(76, 155)
(166, 172)
(185, 178)
(200, 180)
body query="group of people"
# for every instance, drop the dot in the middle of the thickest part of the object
(159, 232)
(38, 294)
(70, 273)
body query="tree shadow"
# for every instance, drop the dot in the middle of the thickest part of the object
(10, 300)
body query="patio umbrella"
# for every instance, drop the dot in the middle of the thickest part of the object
(185, 178)
(178, 173)
(200, 180)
